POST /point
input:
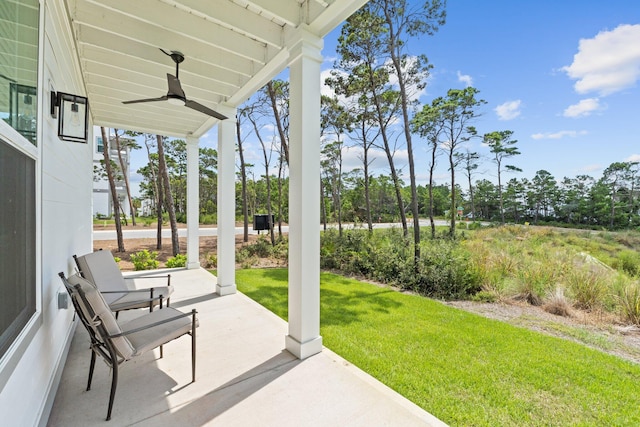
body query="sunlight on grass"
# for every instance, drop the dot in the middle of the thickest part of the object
(462, 368)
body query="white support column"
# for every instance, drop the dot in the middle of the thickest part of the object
(193, 203)
(304, 338)
(227, 203)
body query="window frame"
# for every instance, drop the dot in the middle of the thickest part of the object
(16, 351)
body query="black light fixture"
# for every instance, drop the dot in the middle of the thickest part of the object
(73, 116)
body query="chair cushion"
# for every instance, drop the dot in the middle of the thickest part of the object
(135, 299)
(156, 336)
(100, 268)
(103, 311)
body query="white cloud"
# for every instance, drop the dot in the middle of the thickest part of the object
(509, 110)
(607, 63)
(583, 108)
(465, 78)
(559, 135)
(590, 168)
(633, 158)
(325, 89)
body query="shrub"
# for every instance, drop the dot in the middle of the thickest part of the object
(629, 262)
(145, 260)
(630, 303)
(531, 283)
(179, 260)
(147, 222)
(588, 288)
(208, 218)
(443, 271)
(558, 304)
(117, 259)
(210, 260)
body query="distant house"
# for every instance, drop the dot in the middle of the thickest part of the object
(102, 200)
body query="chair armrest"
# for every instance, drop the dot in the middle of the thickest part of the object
(161, 322)
(128, 291)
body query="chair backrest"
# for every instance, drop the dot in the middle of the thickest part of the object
(101, 269)
(95, 312)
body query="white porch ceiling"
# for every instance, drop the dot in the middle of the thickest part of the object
(231, 49)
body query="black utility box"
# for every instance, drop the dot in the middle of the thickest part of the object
(261, 222)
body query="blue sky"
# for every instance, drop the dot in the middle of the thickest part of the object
(563, 75)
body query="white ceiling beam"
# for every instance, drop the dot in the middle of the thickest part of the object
(94, 37)
(334, 15)
(129, 29)
(288, 11)
(233, 16)
(169, 18)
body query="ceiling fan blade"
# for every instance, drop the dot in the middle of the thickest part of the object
(137, 101)
(206, 110)
(174, 86)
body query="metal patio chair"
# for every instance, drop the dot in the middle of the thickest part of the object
(117, 342)
(101, 269)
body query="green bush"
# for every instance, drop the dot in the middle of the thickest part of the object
(208, 219)
(629, 262)
(387, 256)
(179, 260)
(145, 260)
(587, 288)
(630, 302)
(210, 260)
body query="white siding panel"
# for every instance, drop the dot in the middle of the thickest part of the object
(66, 171)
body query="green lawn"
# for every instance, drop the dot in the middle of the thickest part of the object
(462, 368)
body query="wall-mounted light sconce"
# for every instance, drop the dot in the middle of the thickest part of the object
(73, 116)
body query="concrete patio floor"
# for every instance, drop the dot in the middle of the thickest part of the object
(244, 376)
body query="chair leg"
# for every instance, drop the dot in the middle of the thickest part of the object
(93, 364)
(193, 347)
(114, 385)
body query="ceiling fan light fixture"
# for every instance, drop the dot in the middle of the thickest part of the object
(174, 100)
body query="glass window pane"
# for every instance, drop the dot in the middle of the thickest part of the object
(17, 243)
(19, 65)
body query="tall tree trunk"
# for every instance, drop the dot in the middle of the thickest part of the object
(407, 134)
(367, 195)
(500, 195)
(157, 188)
(452, 227)
(243, 175)
(276, 114)
(267, 177)
(171, 209)
(112, 186)
(382, 122)
(125, 173)
(159, 204)
(473, 204)
(339, 190)
(323, 204)
(432, 167)
(280, 198)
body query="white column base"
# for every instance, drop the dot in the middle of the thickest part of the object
(303, 350)
(193, 265)
(226, 290)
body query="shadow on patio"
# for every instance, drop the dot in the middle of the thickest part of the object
(244, 376)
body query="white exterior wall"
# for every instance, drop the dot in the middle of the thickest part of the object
(64, 227)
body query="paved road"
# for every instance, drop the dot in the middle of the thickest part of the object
(150, 233)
